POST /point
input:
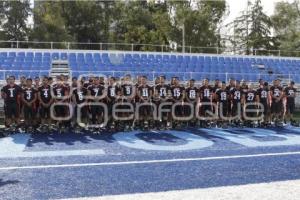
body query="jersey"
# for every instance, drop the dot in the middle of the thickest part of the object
(290, 94)
(45, 93)
(11, 93)
(113, 92)
(59, 92)
(127, 90)
(191, 93)
(144, 91)
(223, 95)
(250, 96)
(206, 92)
(263, 95)
(277, 91)
(96, 90)
(80, 95)
(162, 90)
(29, 94)
(236, 95)
(177, 92)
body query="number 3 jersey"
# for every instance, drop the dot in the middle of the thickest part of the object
(29, 94)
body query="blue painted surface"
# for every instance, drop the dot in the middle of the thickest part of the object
(126, 179)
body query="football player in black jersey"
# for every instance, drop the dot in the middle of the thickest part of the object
(230, 88)
(79, 98)
(192, 96)
(206, 97)
(161, 95)
(250, 99)
(97, 93)
(277, 102)
(45, 99)
(11, 94)
(113, 95)
(60, 94)
(145, 94)
(235, 97)
(264, 99)
(290, 94)
(223, 101)
(29, 109)
(178, 96)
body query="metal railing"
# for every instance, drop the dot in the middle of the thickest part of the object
(229, 50)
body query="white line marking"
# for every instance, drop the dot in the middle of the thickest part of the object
(287, 190)
(149, 161)
(52, 153)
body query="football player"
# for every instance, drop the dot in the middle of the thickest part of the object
(45, 99)
(161, 95)
(178, 96)
(223, 101)
(277, 103)
(290, 94)
(145, 93)
(264, 99)
(97, 93)
(29, 109)
(11, 94)
(206, 99)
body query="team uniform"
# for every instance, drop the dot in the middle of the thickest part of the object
(276, 107)
(60, 92)
(45, 97)
(80, 95)
(290, 99)
(236, 96)
(144, 94)
(263, 95)
(223, 100)
(12, 101)
(29, 94)
(206, 97)
(177, 96)
(96, 92)
(250, 98)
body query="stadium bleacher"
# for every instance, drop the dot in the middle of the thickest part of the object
(33, 63)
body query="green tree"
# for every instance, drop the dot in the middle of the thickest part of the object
(200, 22)
(252, 30)
(287, 27)
(49, 25)
(14, 19)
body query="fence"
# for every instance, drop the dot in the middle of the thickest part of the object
(183, 76)
(142, 47)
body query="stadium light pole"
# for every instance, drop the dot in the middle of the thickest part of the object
(183, 37)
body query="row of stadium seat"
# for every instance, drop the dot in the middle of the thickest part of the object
(202, 66)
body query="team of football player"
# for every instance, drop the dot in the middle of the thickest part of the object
(91, 103)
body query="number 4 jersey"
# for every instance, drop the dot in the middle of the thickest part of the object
(45, 93)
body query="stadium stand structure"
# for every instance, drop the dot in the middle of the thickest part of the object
(37, 62)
